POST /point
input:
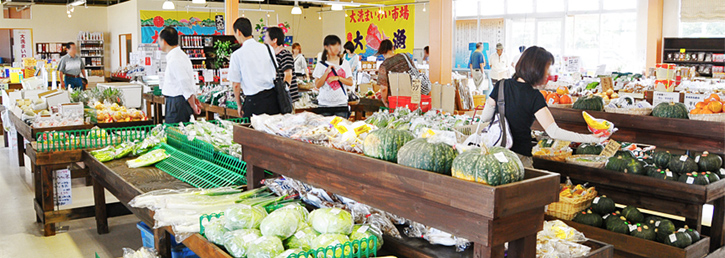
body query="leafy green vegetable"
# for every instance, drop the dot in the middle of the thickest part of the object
(592, 85)
(123, 150)
(244, 216)
(265, 247)
(281, 223)
(148, 159)
(331, 221)
(366, 231)
(302, 238)
(326, 240)
(237, 242)
(215, 231)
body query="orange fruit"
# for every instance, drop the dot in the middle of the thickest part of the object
(565, 99)
(712, 97)
(705, 111)
(552, 98)
(700, 105)
(561, 90)
(714, 106)
(545, 93)
(695, 111)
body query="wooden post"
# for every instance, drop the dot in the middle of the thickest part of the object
(38, 186)
(99, 199)
(441, 24)
(21, 149)
(718, 228)
(523, 247)
(654, 33)
(482, 251)
(46, 177)
(255, 174)
(231, 13)
(162, 242)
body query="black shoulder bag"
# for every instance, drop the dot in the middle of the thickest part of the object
(280, 87)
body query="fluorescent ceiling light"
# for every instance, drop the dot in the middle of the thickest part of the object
(77, 2)
(168, 5)
(349, 4)
(296, 9)
(198, 1)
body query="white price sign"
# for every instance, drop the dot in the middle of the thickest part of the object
(63, 187)
(691, 99)
(666, 97)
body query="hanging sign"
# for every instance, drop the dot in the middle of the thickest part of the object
(366, 28)
(186, 23)
(22, 44)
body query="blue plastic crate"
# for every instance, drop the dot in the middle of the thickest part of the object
(177, 250)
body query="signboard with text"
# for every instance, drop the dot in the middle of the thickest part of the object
(366, 28)
(22, 44)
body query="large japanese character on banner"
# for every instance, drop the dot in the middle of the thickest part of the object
(399, 39)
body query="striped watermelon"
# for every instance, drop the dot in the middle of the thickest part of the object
(385, 143)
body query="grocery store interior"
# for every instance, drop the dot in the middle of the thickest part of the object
(362, 128)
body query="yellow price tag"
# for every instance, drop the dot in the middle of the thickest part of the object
(682, 50)
(341, 129)
(336, 120)
(362, 129)
(428, 133)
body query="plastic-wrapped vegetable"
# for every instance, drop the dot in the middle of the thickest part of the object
(123, 150)
(290, 252)
(302, 238)
(331, 240)
(302, 211)
(143, 252)
(281, 223)
(265, 247)
(237, 242)
(215, 230)
(148, 159)
(104, 154)
(244, 216)
(366, 231)
(331, 221)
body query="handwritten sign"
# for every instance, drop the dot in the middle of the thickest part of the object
(63, 187)
(22, 45)
(611, 149)
(607, 83)
(415, 94)
(666, 97)
(691, 99)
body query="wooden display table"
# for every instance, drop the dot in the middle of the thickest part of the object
(154, 107)
(27, 132)
(366, 105)
(487, 216)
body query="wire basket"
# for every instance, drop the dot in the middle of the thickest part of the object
(596, 160)
(567, 207)
(708, 117)
(560, 157)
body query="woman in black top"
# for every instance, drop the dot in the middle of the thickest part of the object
(524, 103)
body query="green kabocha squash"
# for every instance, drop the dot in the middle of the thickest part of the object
(632, 214)
(588, 218)
(694, 235)
(651, 221)
(708, 162)
(644, 232)
(635, 166)
(590, 149)
(712, 177)
(670, 110)
(384, 143)
(662, 158)
(625, 154)
(603, 205)
(682, 164)
(494, 166)
(421, 154)
(611, 216)
(666, 175)
(664, 228)
(694, 179)
(619, 225)
(652, 170)
(616, 164)
(678, 239)
(591, 102)
(649, 161)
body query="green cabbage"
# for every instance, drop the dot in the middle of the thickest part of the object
(281, 223)
(244, 216)
(331, 221)
(302, 238)
(215, 230)
(265, 247)
(367, 232)
(237, 242)
(303, 213)
(332, 240)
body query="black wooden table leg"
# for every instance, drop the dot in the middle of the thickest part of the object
(99, 198)
(21, 150)
(162, 242)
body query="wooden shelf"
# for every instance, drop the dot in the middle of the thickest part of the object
(694, 62)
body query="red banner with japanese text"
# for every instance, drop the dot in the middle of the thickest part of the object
(366, 28)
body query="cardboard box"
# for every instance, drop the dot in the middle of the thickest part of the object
(71, 108)
(435, 95)
(56, 98)
(448, 98)
(400, 84)
(10, 97)
(365, 87)
(33, 94)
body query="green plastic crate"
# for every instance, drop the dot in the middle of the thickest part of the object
(197, 172)
(336, 251)
(89, 138)
(195, 147)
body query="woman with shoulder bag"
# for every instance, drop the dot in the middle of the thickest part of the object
(524, 103)
(397, 63)
(333, 76)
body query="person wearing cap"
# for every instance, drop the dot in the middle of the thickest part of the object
(499, 65)
(477, 63)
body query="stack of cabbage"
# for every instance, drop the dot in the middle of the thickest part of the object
(248, 231)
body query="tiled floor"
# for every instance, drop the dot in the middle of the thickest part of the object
(20, 236)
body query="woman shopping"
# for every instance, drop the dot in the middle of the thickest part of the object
(301, 70)
(395, 63)
(524, 103)
(352, 58)
(332, 76)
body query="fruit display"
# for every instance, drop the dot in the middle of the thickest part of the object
(116, 113)
(703, 169)
(607, 95)
(559, 97)
(670, 110)
(492, 166)
(591, 102)
(551, 149)
(711, 105)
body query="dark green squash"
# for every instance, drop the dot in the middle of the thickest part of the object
(664, 228)
(678, 239)
(635, 166)
(651, 220)
(603, 205)
(632, 214)
(712, 177)
(498, 166)
(619, 225)
(434, 157)
(670, 110)
(652, 170)
(694, 235)
(591, 149)
(648, 160)
(626, 154)
(694, 179)
(662, 158)
(666, 175)
(644, 232)
(682, 164)
(588, 218)
(616, 164)
(384, 143)
(591, 102)
(708, 162)
(609, 217)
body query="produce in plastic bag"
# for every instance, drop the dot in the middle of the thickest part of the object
(599, 126)
(290, 252)
(265, 247)
(143, 252)
(332, 240)
(281, 223)
(331, 221)
(104, 154)
(366, 231)
(556, 229)
(237, 242)
(148, 159)
(123, 150)
(244, 216)
(215, 231)
(303, 213)
(302, 239)
(559, 240)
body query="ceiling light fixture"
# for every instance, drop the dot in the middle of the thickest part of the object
(168, 5)
(77, 2)
(296, 9)
(69, 15)
(198, 1)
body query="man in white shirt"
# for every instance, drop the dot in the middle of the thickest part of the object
(499, 65)
(179, 87)
(252, 72)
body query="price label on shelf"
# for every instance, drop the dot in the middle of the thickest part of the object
(690, 180)
(596, 200)
(666, 97)
(697, 159)
(336, 120)
(673, 238)
(362, 129)
(683, 157)
(668, 173)
(611, 149)
(682, 50)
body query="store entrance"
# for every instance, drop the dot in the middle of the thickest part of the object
(124, 46)
(6, 46)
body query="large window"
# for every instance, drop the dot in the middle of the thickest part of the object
(601, 32)
(702, 29)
